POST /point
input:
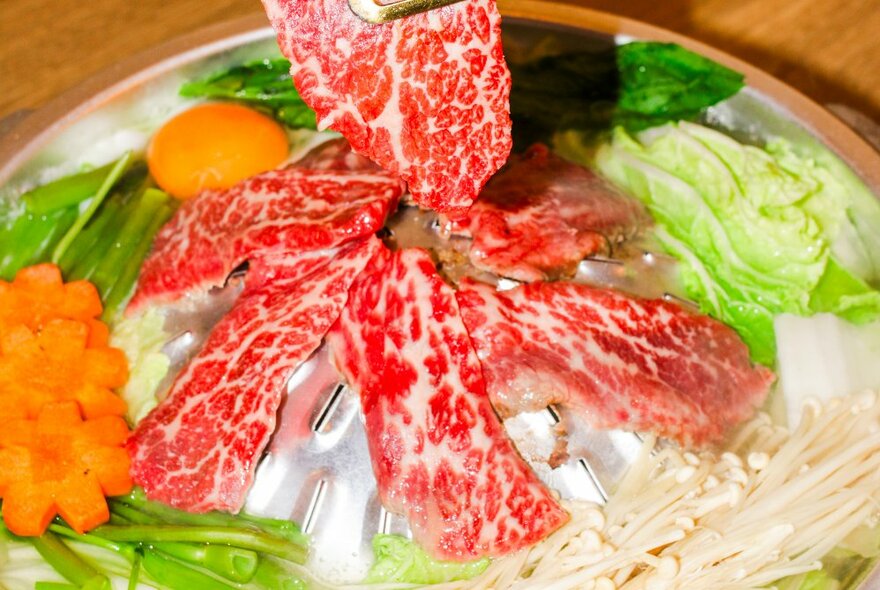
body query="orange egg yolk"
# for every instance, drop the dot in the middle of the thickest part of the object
(213, 146)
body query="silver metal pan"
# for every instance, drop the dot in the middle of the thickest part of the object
(119, 108)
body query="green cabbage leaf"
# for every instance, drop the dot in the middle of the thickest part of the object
(398, 559)
(141, 338)
(759, 231)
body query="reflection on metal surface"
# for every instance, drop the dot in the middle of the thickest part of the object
(317, 472)
(607, 454)
(377, 13)
(317, 469)
(190, 323)
(649, 274)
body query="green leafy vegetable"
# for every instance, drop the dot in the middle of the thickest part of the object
(123, 288)
(167, 548)
(815, 580)
(141, 338)
(841, 292)
(83, 257)
(234, 536)
(398, 559)
(273, 574)
(67, 191)
(264, 84)
(98, 225)
(30, 238)
(753, 227)
(841, 568)
(636, 86)
(117, 272)
(109, 248)
(53, 216)
(232, 563)
(857, 245)
(661, 82)
(172, 573)
(54, 586)
(69, 564)
(112, 176)
(283, 529)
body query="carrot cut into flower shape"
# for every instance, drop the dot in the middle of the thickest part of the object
(38, 294)
(55, 365)
(56, 369)
(61, 464)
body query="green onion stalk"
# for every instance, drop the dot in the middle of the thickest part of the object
(55, 216)
(95, 202)
(209, 552)
(68, 191)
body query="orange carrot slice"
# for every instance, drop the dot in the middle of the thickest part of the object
(61, 464)
(55, 368)
(38, 294)
(56, 365)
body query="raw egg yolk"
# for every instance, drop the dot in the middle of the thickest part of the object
(213, 146)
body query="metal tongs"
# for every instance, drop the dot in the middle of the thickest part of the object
(376, 13)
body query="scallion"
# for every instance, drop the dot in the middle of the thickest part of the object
(111, 178)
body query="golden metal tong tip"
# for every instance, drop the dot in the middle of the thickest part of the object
(375, 13)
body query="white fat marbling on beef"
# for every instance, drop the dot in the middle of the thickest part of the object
(328, 198)
(440, 454)
(199, 448)
(426, 97)
(617, 361)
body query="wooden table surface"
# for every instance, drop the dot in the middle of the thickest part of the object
(829, 49)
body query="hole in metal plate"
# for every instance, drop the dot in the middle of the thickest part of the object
(237, 273)
(326, 412)
(314, 506)
(384, 522)
(599, 487)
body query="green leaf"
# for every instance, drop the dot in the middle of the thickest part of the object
(31, 238)
(66, 192)
(55, 586)
(819, 580)
(69, 564)
(265, 84)
(110, 179)
(141, 337)
(857, 241)
(636, 86)
(281, 529)
(398, 559)
(175, 575)
(842, 293)
(814, 580)
(753, 227)
(661, 82)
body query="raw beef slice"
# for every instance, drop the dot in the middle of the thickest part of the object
(199, 448)
(541, 215)
(426, 97)
(618, 361)
(294, 209)
(439, 453)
